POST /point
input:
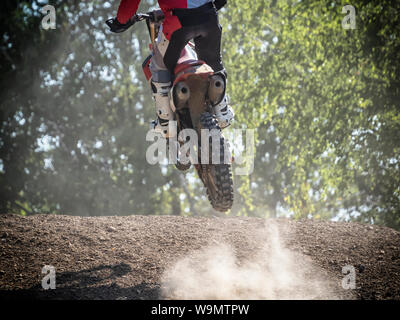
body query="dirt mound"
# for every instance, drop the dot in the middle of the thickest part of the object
(156, 257)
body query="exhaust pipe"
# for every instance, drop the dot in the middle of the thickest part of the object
(216, 88)
(182, 92)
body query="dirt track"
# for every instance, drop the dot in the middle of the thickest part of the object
(125, 257)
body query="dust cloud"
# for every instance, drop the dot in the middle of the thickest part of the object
(272, 271)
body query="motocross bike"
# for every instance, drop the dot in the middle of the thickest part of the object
(194, 91)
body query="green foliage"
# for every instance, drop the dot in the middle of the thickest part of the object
(74, 108)
(325, 101)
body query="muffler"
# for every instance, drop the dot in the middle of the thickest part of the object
(216, 88)
(182, 92)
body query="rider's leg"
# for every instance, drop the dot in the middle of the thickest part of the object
(161, 86)
(207, 38)
(165, 57)
(208, 48)
(177, 43)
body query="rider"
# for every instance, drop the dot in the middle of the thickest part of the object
(184, 20)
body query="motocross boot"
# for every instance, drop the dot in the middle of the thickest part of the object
(161, 92)
(224, 112)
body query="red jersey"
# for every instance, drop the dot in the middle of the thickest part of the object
(128, 8)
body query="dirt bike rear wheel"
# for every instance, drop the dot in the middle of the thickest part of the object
(217, 178)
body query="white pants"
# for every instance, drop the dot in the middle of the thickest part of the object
(158, 69)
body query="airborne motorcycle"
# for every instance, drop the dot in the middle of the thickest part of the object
(195, 90)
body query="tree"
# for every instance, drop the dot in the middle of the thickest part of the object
(323, 100)
(330, 98)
